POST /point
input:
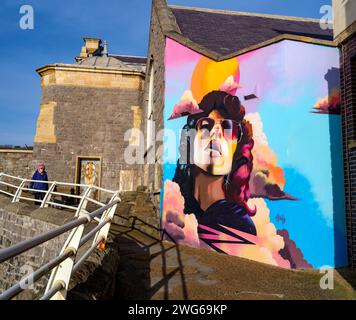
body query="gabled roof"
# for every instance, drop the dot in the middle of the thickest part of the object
(229, 32)
(221, 34)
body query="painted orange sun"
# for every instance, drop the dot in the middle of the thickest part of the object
(208, 75)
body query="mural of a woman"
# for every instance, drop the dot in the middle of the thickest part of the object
(214, 168)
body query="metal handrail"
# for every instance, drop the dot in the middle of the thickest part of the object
(26, 245)
(91, 233)
(95, 202)
(86, 254)
(58, 286)
(50, 182)
(63, 265)
(29, 199)
(84, 197)
(62, 205)
(64, 271)
(7, 175)
(68, 251)
(7, 193)
(30, 189)
(34, 276)
(8, 184)
(56, 193)
(59, 183)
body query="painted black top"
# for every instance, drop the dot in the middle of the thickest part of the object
(223, 212)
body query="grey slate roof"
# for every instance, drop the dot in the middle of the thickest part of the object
(102, 61)
(130, 59)
(137, 63)
(115, 62)
(226, 33)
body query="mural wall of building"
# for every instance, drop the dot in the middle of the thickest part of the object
(252, 155)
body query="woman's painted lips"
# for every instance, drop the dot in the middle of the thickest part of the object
(215, 148)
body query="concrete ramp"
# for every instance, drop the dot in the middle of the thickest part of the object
(150, 269)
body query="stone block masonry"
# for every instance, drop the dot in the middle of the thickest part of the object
(90, 121)
(19, 222)
(17, 162)
(155, 57)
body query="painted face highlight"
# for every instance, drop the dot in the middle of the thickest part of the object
(215, 143)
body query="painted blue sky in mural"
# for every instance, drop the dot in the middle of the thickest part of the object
(306, 146)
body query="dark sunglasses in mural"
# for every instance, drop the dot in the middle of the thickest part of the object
(230, 128)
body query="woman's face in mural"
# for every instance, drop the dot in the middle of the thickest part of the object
(215, 143)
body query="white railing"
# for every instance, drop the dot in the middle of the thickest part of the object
(19, 185)
(65, 263)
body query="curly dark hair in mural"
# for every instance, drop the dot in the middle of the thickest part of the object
(233, 211)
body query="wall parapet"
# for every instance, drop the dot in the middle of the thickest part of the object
(15, 151)
(22, 221)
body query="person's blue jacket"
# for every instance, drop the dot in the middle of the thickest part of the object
(39, 185)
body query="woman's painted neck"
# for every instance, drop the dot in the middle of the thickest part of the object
(208, 188)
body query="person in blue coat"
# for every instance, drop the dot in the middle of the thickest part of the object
(39, 175)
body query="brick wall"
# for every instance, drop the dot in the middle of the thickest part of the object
(90, 121)
(348, 91)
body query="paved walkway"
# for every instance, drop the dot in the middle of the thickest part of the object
(151, 269)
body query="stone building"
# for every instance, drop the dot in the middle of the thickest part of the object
(345, 38)
(86, 109)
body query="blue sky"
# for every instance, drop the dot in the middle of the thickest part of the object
(57, 38)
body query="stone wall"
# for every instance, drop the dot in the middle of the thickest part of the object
(155, 56)
(90, 121)
(344, 14)
(348, 92)
(19, 222)
(137, 210)
(17, 162)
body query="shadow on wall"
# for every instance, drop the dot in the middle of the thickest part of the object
(125, 272)
(337, 173)
(134, 275)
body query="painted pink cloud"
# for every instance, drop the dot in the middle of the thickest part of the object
(267, 177)
(230, 85)
(183, 228)
(329, 104)
(186, 106)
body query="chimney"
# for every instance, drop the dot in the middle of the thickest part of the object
(105, 49)
(92, 46)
